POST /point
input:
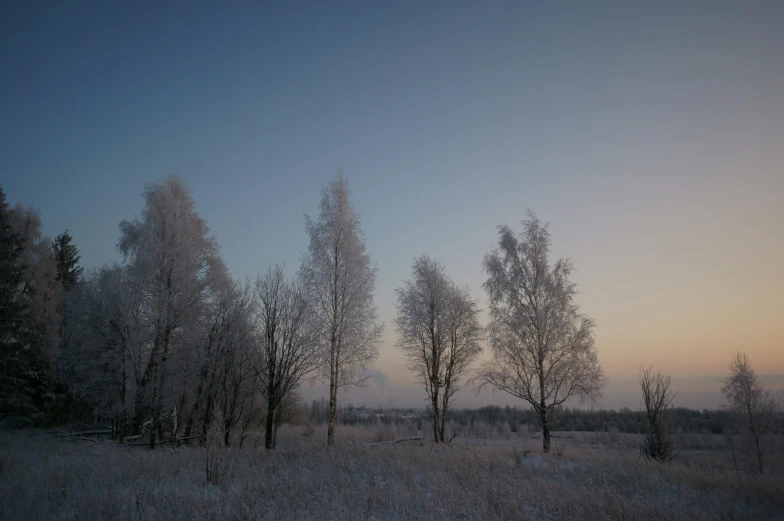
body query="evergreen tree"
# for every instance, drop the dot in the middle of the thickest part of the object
(14, 315)
(11, 274)
(67, 258)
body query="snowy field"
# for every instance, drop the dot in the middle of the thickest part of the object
(42, 477)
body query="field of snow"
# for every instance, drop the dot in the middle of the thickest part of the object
(42, 477)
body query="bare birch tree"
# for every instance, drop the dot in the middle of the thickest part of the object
(659, 443)
(439, 330)
(234, 382)
(340, 278)
(288, 348)
(543, 348)
(753, 406)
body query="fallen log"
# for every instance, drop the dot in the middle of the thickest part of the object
(163, 442)
(84, 433)
(395, 441)
(189, 438)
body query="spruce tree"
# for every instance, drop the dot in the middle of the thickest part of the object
(67, 258)
(14, 316)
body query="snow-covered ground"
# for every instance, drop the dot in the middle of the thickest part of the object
(42, 477)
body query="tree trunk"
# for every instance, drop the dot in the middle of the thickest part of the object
(123, 424)
(444, 408)
(333, 388)
(141, 408)
(155, 388)
(435, 416)
(207, 417)
(543, 406)
(334, 354)
(545, 429)
(269, 432)
(759, 454)
(123, 392)
(158, 409)
(333, 411)
(147, 377)
(248, 419)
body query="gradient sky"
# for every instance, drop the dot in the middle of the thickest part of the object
(650, 136)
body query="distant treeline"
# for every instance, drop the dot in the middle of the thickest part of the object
(570, 419)
(564, 418)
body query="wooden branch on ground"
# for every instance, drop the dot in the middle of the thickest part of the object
(395, 441)
(186, 438)
(163, 442)
(84, 433)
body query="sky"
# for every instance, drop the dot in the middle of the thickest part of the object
(651, 137)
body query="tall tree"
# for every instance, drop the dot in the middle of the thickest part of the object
(288, 347)
(543, 348)
(14, 311)
(171, 259)
(439, 330)
(29, 376)
(222, 347)
(105, 339)
(67, 259)
(340, 277)
(40, 286)
(237, 380)
(752, 405)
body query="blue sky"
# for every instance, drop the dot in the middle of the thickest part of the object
(651, 136)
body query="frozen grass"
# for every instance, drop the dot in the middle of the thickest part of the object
(46, 478)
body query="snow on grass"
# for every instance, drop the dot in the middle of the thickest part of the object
(44, 478)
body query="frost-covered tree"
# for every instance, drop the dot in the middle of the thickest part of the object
(171, 259)
(224, 349)
(40, 279)
(106, 341)
(439, 334)
(753, 406)
(339, 278)
(288, 347)
(238, 381)
(543, 348)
